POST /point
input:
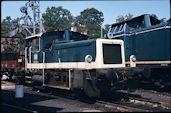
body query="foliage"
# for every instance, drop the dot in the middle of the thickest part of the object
(57, 19)
(22, 41)
(169, 20)
(161, 20)
(6, 26)
(107, 27)
(89, 21)
(129, 16)
(154, 15)
(121, 18)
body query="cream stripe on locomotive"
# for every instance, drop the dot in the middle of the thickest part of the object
(74, 65)
(98, 64)
(151, 62)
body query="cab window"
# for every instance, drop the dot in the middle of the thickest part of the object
(35, 44)
(136, 23)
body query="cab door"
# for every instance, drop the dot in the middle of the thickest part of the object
(130, 46)
(33, 50)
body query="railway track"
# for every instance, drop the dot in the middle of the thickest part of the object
(134, 102)
(16, 109)
(150, 103)
(127, 102)
(162, 94)
(120, 107)
(135, 105)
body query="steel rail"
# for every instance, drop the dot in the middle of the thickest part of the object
(148, 102)
(120, 107)
(19, 108)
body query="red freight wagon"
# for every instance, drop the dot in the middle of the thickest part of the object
(12, 61)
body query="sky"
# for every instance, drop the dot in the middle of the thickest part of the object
(111, 9)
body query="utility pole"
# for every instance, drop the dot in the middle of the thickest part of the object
(31, 25)
(101, 31)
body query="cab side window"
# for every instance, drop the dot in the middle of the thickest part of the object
(136, 24)
(35, 44)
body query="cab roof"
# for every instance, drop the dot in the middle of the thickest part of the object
(133, 19)
(33, 36)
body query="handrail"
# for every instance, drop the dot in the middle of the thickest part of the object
(26, 61)
(43, 70)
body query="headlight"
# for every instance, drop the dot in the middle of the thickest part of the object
(110, 36)
(88, 58)
(133, 58)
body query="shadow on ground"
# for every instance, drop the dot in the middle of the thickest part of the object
(8, 97)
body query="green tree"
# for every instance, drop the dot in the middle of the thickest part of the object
(6, 26)
(90, 21)
(107, 27)
(154, 15)
(169, 20)
(121, 18)
(161, 20)
(128, 16)
(57, 19)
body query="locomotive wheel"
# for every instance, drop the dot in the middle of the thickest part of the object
(89, 86)
(90, 89)
(104, 87)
